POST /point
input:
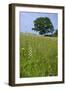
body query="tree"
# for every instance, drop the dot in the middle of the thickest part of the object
(43, 25)
(56, 33)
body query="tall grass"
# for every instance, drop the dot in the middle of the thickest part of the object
(38, 56)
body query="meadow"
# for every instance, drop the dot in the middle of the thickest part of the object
(38, 55)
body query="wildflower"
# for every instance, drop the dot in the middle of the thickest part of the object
(23, 48)
(49, 67)
(29, 51)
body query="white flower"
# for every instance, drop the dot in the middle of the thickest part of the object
(23, 48)
(29, 51)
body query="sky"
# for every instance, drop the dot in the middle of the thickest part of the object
(26, 20)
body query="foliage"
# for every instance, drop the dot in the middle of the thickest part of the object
(43, 25)
(38, 56)
(56, 33)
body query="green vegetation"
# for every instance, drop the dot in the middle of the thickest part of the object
(56, 33)
(43, 25)
(38, 55)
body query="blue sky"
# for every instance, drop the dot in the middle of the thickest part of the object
(26, 20)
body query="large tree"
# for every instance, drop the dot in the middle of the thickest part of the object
(43, 25)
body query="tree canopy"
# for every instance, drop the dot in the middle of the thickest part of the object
(43, 25)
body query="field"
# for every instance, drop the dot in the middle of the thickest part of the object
(38, 56)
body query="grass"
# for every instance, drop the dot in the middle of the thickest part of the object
(38, 56)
